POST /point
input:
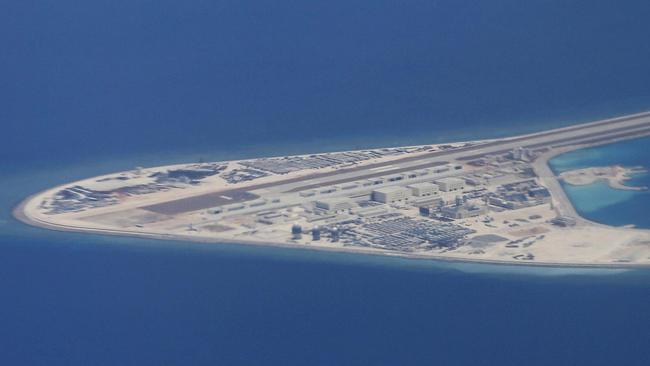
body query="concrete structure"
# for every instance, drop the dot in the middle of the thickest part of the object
(540, 193)
(501, 202)
(370, 211)
(564, 221)
(451, 184)
(424, 189)
(296, 232)
(396, 177)
(257, 203)
(426, 201)
(349, 186)
(335, 234)
(315, 233)
(309, 193)
(473, 181)
(335, 204)
(463, 211)
(370, 227)
(391, 194)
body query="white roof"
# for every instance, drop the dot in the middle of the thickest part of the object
(335, 200)
(450, 180)
(391, 189)
(423, 185)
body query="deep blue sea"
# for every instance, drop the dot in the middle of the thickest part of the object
(91, 87)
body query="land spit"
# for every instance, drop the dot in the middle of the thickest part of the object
(428, 201)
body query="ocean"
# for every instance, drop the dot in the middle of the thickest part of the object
(96, 87)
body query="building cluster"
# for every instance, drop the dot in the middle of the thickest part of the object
(107, 191)
(335, 205)
(523, 154)
(79, 198)
(257, 206)
(462, 208)
(392, 194)
(188, 175)
(406, 234)
(498, 166)
(290, 164)
(418, 210)
(242, 175)
(518, 195)
(389, 231)
(370, 184)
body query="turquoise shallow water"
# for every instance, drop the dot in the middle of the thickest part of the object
(77, 299)
(599, 202)
(92, 87)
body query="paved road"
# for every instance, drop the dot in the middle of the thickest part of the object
(201, 202)
(622, 127)
(561, 201)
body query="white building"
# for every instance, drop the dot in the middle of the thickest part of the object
(463, 211)
(451, 184)
(391, 194)
(424, 189)
(332, 205)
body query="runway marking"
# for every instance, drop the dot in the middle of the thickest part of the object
(226, 198)
(382, 168)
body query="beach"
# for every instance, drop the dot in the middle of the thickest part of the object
(588, 244)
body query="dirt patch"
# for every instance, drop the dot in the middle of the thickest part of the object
(531, 231)
(216, 228)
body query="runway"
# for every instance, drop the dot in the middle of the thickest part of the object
(588, 133)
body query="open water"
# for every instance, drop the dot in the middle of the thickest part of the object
(91, 87)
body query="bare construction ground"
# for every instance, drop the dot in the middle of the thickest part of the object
(488, 201)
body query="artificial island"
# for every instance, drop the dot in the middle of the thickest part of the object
(488, 201)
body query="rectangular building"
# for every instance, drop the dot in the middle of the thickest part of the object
(334, 205)
(463, 211)
(423, 189)
(451, 184)
(391, 194)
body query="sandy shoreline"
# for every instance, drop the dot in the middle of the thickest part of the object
(19, 214)
(615, 177)
(28, 212)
